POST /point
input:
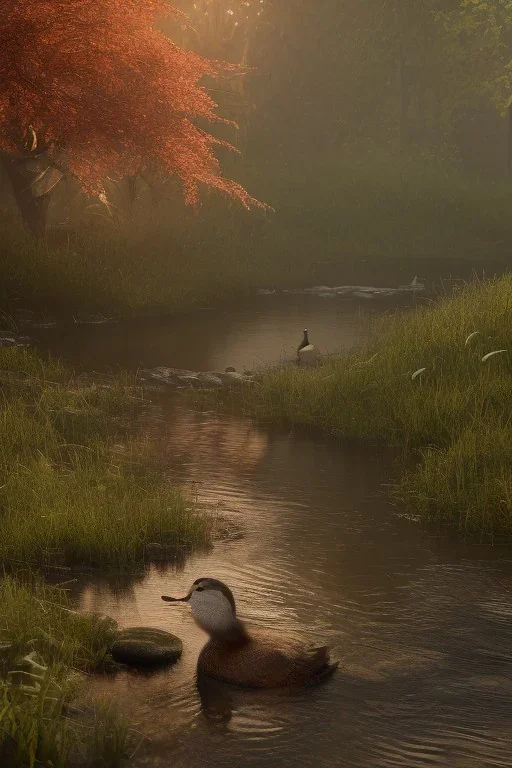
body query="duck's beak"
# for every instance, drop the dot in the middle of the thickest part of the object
(175, 599)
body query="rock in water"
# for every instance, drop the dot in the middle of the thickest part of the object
(145, 646)
(210, 379)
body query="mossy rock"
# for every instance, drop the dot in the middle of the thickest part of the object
(145, 646)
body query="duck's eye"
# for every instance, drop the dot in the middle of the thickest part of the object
(199, 589)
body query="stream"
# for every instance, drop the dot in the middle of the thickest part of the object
(421, 622)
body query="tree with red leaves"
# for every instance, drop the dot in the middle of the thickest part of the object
(92, 88)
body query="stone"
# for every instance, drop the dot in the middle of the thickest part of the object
(226, 379)
(146, 646)
(14, 341)
(171, 377)
(164, 375)
(210, 379)
(190, 381)
(232, 377)
(230, 369)
(178, 378)
(173, 372)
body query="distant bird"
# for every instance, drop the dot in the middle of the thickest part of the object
(307, 353)
(255, 658)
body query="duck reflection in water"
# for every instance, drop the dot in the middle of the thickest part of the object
(217, 700)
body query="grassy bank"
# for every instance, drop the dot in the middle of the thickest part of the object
(69, 494)
(337, 219)
(76, 487)
(454, 415)
(46, 649)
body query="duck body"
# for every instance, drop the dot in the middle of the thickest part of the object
(250, 658)
(265, 659)
(309, 355)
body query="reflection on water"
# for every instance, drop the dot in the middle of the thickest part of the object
(237, 444)
(261, 330)
(421, 625)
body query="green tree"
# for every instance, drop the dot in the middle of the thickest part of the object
(480, 34)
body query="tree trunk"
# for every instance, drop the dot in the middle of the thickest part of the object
(33, 209)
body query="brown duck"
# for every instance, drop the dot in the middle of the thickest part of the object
(255, 658)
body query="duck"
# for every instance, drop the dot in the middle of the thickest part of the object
(249, 657)
(307, 353)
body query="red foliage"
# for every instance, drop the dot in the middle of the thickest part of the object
(102, 87)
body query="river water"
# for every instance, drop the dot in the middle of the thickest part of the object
(421, 623)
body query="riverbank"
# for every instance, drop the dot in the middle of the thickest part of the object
(46, 651)
(77, 487)
(67, 460)
(425, 382)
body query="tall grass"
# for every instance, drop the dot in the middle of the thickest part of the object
(67, 494)
(46, 646)
(455, 415)
(76, 486)
(38, 616)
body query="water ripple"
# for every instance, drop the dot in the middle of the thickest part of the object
(422, 626)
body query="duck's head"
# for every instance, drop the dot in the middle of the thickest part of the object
(213, 607)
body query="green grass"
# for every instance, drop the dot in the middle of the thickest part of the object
(347, 218)
(455, 414)
(39, 617)
(69, 492)
(47, 648)
(76, 486)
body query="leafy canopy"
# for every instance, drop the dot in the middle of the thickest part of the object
(104, 93)
(481, 34)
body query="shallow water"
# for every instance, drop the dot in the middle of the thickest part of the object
(246, 335)
(421, 623)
